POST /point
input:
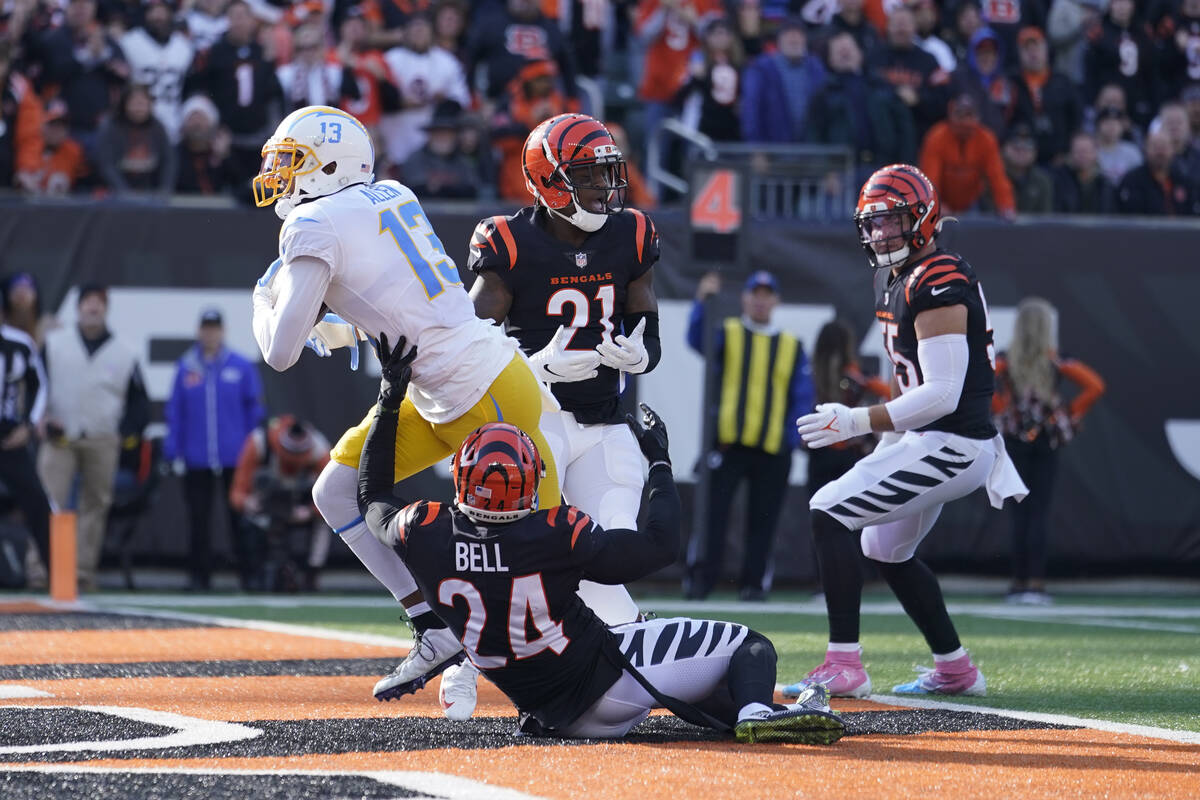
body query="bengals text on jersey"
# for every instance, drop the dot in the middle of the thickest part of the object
(553, 283)
(940, 279)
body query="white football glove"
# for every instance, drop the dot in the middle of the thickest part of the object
(626, 353)
(553, 363)
(832, 423)
(331, 333)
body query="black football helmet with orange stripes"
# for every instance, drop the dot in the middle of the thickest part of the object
(898, 213)
(496, 473)
(575, 169)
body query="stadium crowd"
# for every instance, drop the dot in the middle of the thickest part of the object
(1027, 106)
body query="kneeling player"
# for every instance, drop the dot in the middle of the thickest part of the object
(500, 570)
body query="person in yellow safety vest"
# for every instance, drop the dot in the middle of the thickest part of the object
(765, 383)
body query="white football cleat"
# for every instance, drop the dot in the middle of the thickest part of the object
(458, 692)
(432, 652)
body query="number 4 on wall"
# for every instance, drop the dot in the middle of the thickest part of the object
(716, 206)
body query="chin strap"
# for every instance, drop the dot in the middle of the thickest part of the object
(584, 220)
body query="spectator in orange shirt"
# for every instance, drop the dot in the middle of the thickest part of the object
(63, 161)
(20, 126)
(959, 155)
(1036, 421)
(669, 31)
(533, 96)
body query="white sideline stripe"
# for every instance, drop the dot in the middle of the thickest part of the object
(439, 785)
(11, 691)
(1188, 737)
(263, 625)
(1102, 623)
(189, 732)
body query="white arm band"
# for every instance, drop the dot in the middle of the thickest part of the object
(282, 329)
(943, 368)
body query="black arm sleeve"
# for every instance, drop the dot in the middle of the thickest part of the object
(376, 473)
(649, 335)
(626, 555)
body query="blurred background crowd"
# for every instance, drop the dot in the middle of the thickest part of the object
(1030, 106)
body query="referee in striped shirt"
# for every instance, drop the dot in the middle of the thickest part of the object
(22, 405)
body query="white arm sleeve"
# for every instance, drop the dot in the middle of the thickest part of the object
(281, 327)
(944, 367)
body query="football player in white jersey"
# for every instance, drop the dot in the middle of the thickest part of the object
(367, 252)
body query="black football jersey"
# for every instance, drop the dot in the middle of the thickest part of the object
(553, 283)
(500, 589)
(940, 279)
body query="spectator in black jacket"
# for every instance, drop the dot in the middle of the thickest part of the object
(1046, 100)
(862, 111)
(204, 165)
(86, 64)
(1120, 51)
(439, 169)
(1158, 186)
(919, 81)
(851, 19)
(236, 76)
(1079, 185)
(512, 37)
(711, 98)
(982, 75)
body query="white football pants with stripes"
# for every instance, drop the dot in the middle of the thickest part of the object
(683, 658)
(600, 471)
(895, 494)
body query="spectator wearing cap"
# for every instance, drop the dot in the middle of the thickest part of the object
(1033, 188)
(1046, 100)
(860, 110)
(533, 96)
(1079, 185)
(241, 82)
(926, 17)
(425, 75)
(779, 86)
(1120, 51)
(96, 398)
(1116, 155)
(1008, 18)
(216, 400)
(961, 157)
(1158, 187)
(439, 170)
(20, 126)
(133, 150)
(203, 150)
(918, 80)
(159, 57)
(765, 385)
(272, 493)
(87, 65)
(982, 75)
(21, 303)
(63, 161)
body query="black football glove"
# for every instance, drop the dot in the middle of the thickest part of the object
(397, 372)
(651, 435)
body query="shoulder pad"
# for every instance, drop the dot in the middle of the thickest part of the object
(492, 244)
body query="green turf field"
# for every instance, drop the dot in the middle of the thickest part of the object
(1119, 658)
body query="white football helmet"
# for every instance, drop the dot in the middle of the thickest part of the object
(315, 151)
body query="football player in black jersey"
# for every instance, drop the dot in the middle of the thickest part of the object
(503, 577)
(571, 277)
(936, 330)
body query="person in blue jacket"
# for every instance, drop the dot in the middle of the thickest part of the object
(777, 87)
(216, 401)
(765, 383)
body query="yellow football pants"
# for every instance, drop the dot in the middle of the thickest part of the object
(514, 397)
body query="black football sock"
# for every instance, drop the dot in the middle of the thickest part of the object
(752, 671)
(427, 621)
(917, 589)
(840, 562)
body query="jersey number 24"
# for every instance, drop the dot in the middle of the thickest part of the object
(528, 604)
